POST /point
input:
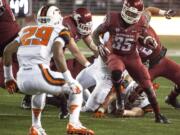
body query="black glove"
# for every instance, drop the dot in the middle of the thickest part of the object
(161, 119)
(170, 13)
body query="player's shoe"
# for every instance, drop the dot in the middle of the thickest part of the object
(36, 131)
(78, 129)
(172, 101)
(161, 119)
(26, 102)
(63, 115)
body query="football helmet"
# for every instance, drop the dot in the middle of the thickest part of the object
(132, 10)
(83, 19)
(49, 15)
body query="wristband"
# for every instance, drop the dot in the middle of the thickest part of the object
(162, 12)
(67, 76)
(8, 75)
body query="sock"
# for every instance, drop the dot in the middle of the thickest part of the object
(36, 117)
(152, 99)
(75, 107)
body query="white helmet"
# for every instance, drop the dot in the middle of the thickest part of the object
(132, 11)
(49, 15)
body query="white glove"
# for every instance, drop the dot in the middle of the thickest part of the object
(75, 87)
(73, 84)
(103, 51)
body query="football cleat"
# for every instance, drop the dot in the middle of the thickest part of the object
(172, 101)
(161, 119)
(63, 115)
(36, 131)
(78, 129)
(26, 102)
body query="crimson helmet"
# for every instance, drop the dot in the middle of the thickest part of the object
(49, 15)
(83, 18)
(132, 11)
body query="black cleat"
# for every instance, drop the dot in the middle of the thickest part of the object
(174, 102)
(161, 119)
(64, 115)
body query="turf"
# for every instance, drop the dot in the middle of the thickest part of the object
(16, 121)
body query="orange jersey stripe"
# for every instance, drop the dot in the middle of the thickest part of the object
(50, 79)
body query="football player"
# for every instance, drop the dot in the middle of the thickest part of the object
(159, 63)
(8, 31)
(121, 51)
(35, 46)
(80, 27)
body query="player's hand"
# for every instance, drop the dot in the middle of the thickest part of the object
(170, 13)
(11, 86)
(161, 119)
(150, 42)
(103, 51)
(100, 113)
(75, 87)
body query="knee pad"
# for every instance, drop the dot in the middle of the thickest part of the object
(116, 75)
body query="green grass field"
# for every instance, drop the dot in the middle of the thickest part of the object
(16, 121)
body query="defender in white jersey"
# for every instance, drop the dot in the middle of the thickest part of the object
(35, 46)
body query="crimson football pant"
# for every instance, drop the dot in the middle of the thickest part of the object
(132, 63)
(169, 69)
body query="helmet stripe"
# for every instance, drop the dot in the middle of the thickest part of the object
(44, 10)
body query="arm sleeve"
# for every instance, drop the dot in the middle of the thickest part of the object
(65, 36)
(100, 30)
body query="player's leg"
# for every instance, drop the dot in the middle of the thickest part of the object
(140, 73)
(171, 70)
(74, 126)
(86, 79)
(116, 66)
(38, 104)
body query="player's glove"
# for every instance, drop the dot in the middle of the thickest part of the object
(10, 82)
(73, 84)
(170, 13)
(11, 86)
(100, 113)
(75, 87)
(161, 119)
(150, 42)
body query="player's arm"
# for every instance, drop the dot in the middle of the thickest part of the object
(91, 45)
(72, 46)
(10, 83)
(2, 8)
(151, 11)
(134, 112)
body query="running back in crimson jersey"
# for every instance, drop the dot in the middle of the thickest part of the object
(8, 26)
(124, 36)
(36, 44)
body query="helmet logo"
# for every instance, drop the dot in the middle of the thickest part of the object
(77, 16)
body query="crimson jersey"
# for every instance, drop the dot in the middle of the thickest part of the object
(123, 36)
(69, 22)
(8, 26)
(153, 55)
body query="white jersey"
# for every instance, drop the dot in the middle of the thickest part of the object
(36, 43)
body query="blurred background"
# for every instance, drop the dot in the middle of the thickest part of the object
(26, 10)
